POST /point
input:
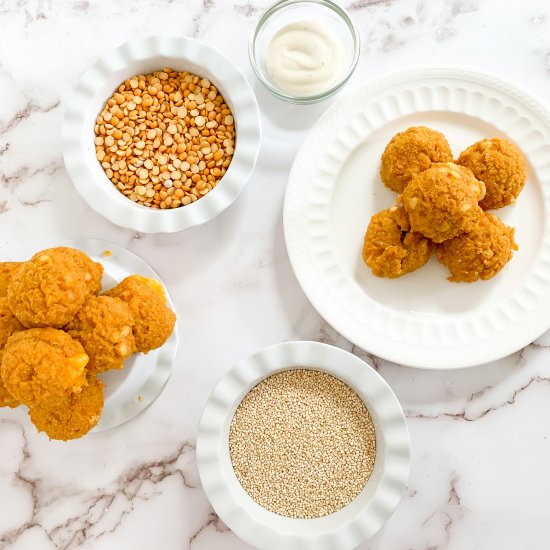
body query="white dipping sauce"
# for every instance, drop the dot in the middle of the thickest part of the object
(305, 58)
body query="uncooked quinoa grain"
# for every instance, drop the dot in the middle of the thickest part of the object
(165, 139)
(302, 443)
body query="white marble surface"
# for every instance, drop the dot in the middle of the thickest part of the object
(481, 446)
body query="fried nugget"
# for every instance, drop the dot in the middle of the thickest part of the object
(48, 291)
(8, 322)
(154, 320)
(442, 202)
(7, 271)
(71, 416)
(390, 248)
(6, 399)
(480, 253)
(411, 152)
(501, 166)
(42, 363)
(104, 328)
(93, 271)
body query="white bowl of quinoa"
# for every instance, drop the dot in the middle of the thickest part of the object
(303, 446)
(161, 134)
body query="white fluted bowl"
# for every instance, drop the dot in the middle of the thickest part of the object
(349, 526)
(144, 56)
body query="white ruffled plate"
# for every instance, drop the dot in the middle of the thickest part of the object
(349, 526)
(334, 188)
(141, 57)
(129, 391)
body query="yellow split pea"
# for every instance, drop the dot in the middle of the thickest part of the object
(165, 139)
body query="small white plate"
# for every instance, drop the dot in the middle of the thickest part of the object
(144, 56)
(129, 391)
(352, 524)
(334, 188)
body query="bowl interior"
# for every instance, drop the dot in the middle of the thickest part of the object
(382, 491)
(111, 83)
(277, 17)
(347, 512)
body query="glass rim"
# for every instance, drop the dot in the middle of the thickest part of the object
(314, 98)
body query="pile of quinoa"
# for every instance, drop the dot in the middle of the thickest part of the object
(302, 443)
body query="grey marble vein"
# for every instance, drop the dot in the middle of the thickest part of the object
(23, 114)
(76, 529)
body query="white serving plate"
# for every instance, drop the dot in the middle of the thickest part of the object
(129, 391)
(334, 188)
(144, 56)
(349, 526)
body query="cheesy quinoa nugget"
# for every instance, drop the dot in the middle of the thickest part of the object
(480, 253)
(411, 152)
(6, 399)
(48, 291)
(390, 249)
(93, 271)
(501, 166)
(8, 325)
(7, 271)
(442, 202)
(70, 416)
(8, 322)
(104, 328)
(153, 320)
(42, 363)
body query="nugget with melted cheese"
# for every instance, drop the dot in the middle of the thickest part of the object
(6, 398)
(104, 328)
(7, 271)
(153, 320)
(390, 249)
(442, 202)
(93, 271)
(479, 253)
(8, 322)
(501, 166)
(411, 152)
(42, 363)
(70, 416)
(48, 291)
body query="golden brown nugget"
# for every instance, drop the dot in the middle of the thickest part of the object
(7, 271)
(442, 202)
(480, 253)
(411, 152)
(8, 322)
(48, 291)
(153, 320)
(93, 271)
(6, 399)
(42, 363)
(501, 166)
(104, 328)
(390, 249)
(71, 416)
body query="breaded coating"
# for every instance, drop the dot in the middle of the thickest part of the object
(154, 320)
(390, 249)
(42, 363)
(480, 253)
(411, 152)
(104, 328)
(501, 166)
(6, 399)
(7, 270)
(442, 202)
(48, 291)
(93, 271)
(8, 322)
(71, 416)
